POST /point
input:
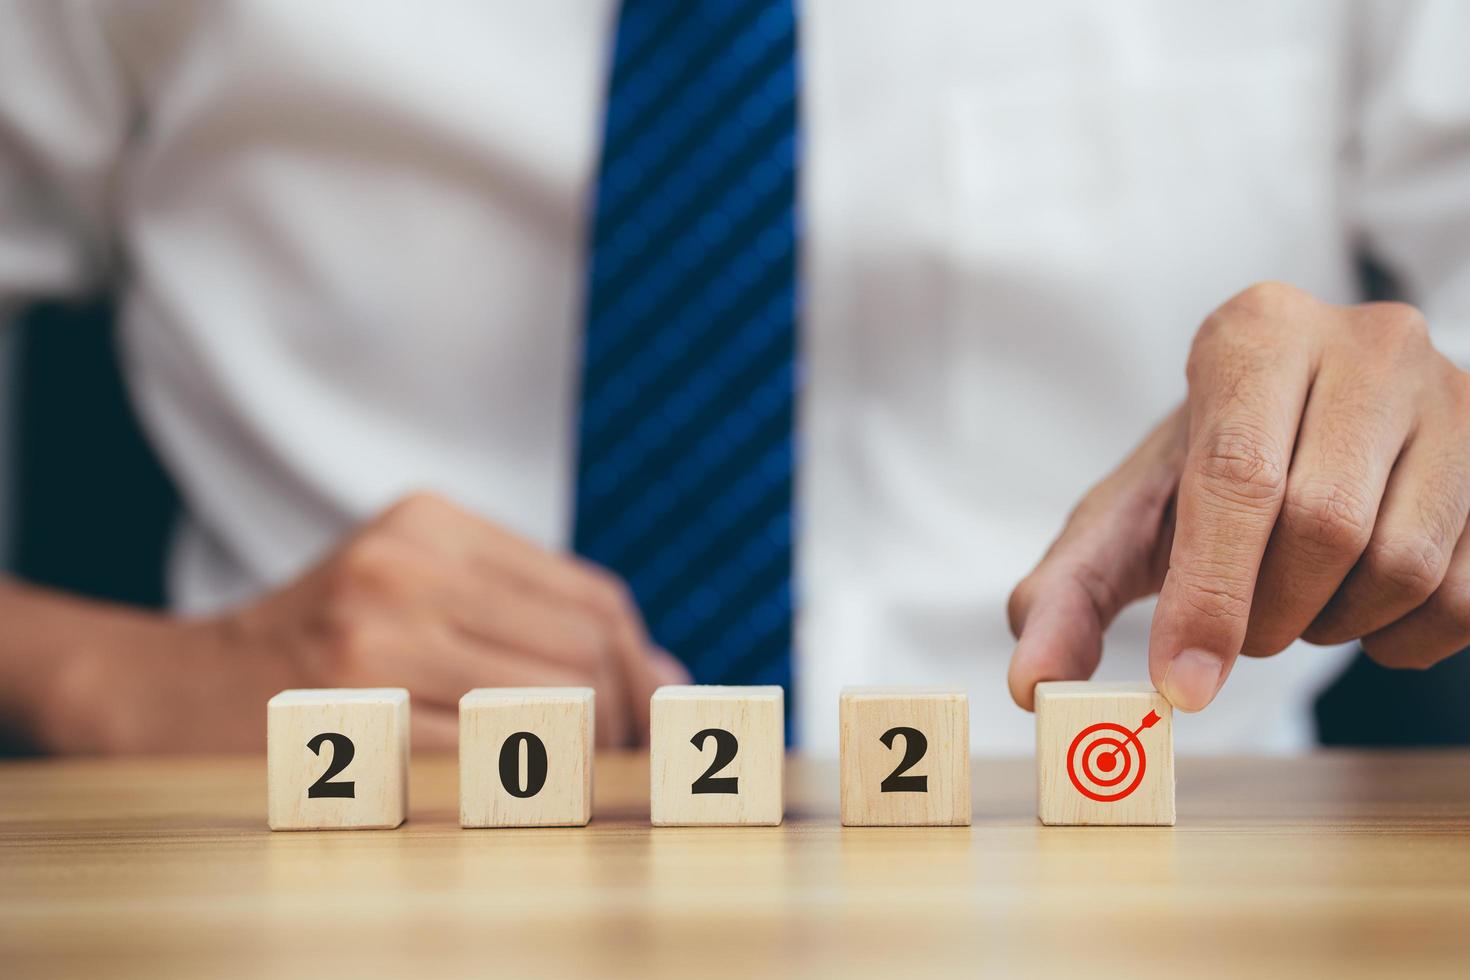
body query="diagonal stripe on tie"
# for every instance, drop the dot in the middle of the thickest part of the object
(647, 428)
(687, 442)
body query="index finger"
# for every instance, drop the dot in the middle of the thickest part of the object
(1248, 384)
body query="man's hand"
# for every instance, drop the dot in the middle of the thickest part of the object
(426, 596)
(1315, 484)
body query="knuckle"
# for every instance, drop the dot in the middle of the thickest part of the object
(345, 641)
(1251, 323)
(1441, 503)
(617, 593)
(1214, 326)
(1409, 566)
(1398, 323)
(1325, 631)
(609, 594)
(1240, 464)
(1457, 382)
(1384, 653)
(588, 644)
(1338, 621)
(1450, 607)
(1102, 592)
(1399, 656)
(1019, 604)
(373, 573)
(413, 509)
(1263, 301)
(1259, 645)
(365, 563)
(1224, 343)
(1328, 519)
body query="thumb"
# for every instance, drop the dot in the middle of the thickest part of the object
(1113, 550)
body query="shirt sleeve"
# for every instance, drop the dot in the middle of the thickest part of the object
(1410, 158)
(63, 119)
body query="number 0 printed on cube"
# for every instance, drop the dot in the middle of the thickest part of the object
(525, 757)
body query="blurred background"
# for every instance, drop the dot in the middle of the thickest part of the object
(1081, 160)
(86, 507)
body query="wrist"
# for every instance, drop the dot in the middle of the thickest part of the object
(119, 687)
(70, 703)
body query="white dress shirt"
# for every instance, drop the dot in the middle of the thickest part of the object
(348, 242)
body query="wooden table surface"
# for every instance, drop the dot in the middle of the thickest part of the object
(1333, 864)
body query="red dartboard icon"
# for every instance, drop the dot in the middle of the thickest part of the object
(1106, 762)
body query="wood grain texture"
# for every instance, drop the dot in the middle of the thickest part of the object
(1338, 864)
(1087, 724)
(755, 716)
(562, 718)
(866, 716)
(376, 722)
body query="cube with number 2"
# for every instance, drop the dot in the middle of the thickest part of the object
(337, 759)
(905, 757)
(716, 755)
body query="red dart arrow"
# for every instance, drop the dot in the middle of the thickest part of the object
(1149, 720)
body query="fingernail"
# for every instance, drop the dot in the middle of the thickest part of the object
(1192, 679)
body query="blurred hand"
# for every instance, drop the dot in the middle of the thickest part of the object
(426, 596)
(1315, 484)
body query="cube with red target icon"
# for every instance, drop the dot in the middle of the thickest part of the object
(1104, 754)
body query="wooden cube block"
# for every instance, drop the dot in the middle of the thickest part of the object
(1104, 754)
(905, 757)
(717, 755)
(525, 757)
(337, 759)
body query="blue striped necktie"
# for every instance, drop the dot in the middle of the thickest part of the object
(689, 367)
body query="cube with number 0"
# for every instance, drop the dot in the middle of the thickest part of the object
(337, 759)
(716, 755)
(905, 757)
(525, 757)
